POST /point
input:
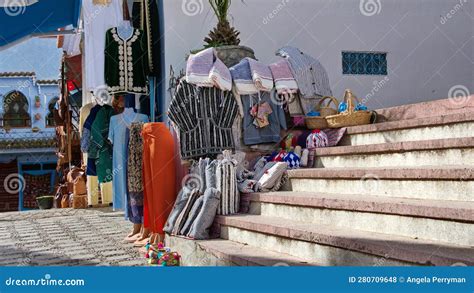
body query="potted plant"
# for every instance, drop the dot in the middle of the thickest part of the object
(37, 101)
(224, 37)
(45, 202)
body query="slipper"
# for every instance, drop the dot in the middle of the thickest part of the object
(131, 239)
(140, 243)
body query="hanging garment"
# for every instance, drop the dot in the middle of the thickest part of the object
(97, 20)
(92, 190)
(106, 192)
(118, 136)
(268, 134)
(146, 17)
(126, 63)
(87, 130)
(159, 175)
(134, 174)
(100, 148)
(204, 117)
(310, 75)
(84, 112)
(135, 207)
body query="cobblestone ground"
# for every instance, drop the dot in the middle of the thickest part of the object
(66, 237)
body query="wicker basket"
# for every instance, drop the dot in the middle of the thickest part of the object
(316, 122)
(349, 117)
(327, 110)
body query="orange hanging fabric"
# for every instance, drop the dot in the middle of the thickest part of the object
(159, 175)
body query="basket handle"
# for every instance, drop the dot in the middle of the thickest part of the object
(331, 99)
(349, 98)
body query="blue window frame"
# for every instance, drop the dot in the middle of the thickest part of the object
(364, 63)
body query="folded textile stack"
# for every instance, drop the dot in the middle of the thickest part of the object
(211, 186)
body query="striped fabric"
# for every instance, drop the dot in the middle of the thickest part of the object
(204, 117)
(312, 78)
(226, 177)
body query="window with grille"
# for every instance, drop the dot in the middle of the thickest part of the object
(16, 110)
(50, 116)
(364, 63)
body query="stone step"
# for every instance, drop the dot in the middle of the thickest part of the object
(220, 252)
(437, 152)
(432, 108)
(331, 245)
(456, 125)
(438, 220)
(438, 183)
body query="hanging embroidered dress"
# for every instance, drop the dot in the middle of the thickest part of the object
(126, 63)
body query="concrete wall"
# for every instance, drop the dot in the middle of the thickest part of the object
(429, 42)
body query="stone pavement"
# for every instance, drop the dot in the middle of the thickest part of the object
(66, 237)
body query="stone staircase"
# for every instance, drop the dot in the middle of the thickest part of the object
(400, 192)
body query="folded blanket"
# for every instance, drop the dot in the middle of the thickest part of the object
(261, 75)
(220, 76)
(242, 77)
(199, 66)
(205, 69)
(285, 83)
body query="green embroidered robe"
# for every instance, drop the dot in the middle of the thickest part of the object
(126, 63)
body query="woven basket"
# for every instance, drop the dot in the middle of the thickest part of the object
(349, 117)
(316, 122)
(327, 110)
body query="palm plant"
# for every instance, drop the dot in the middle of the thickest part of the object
(223, 34)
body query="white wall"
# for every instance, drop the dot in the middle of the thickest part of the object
(427, 54)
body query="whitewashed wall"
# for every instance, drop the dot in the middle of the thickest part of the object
(429, 42)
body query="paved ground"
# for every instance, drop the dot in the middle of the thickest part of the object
(66, 237)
